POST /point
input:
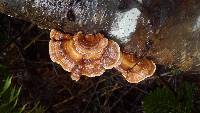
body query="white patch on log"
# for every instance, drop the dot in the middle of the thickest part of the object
(125, 25)
(196, 25)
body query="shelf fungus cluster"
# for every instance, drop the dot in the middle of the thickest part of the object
(134, 69)
(91, 55)
(88, 55)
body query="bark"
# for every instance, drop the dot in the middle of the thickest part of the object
(71, 16)
(167, 31)
(174, 39)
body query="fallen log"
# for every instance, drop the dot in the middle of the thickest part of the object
(166, 31)
(71, 16)
(175, 40)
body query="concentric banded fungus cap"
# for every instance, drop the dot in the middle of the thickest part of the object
(81, 54)
(135, 70)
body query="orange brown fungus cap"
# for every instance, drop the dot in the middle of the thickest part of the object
(135, 70)
(88, 55)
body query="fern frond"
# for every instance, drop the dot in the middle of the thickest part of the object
(163, 100)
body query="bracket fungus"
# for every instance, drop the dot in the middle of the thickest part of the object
(134, 69)
(91, 55)
(88, 55)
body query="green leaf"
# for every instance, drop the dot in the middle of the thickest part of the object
(37, 108)
(9, 94)
(22, 109)
(8, 107)
(12, 93)
(2, 67)
(15, 94)
(6, 85)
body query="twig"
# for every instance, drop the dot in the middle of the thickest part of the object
(120, 98)
(34, 40)
(73, 97)
(16, 38)
(140, 90)
(91, 98)
(166, 84)
(54, 68)
(115, 87)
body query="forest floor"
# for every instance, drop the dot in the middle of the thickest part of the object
(24, 52)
